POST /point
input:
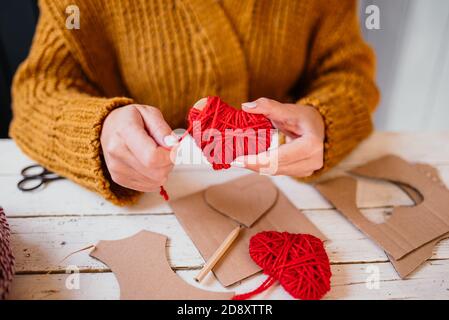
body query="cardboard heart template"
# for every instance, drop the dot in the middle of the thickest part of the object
(208, 227)
(245, 201)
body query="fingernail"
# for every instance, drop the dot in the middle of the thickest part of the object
(170, 140)
(249, 105)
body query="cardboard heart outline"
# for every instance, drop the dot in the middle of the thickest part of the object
(260, 195)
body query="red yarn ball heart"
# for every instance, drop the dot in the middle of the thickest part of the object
(298, 261)
(225, 133)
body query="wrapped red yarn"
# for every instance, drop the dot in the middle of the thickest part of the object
(298, 261)
(225, 133)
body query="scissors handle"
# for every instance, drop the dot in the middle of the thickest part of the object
(35, 170)
(24, 184)
(35, 176)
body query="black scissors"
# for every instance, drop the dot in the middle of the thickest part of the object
(35, 176)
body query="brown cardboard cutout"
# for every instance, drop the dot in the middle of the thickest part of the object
(208, 228)
(140, 265)
(408, 230)
(251, 198)
(414, 259)
(424, 222)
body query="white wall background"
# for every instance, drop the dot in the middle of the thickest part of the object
(412, 49)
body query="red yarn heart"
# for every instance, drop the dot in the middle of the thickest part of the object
(298, 261)
(225, 133)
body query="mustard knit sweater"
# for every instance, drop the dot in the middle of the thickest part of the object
(169, 54)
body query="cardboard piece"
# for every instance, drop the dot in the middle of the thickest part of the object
(408, 230)
(424, 222)
(208, 227)
(414, 259)
(139, 262)
(409, 227)
(251, 198)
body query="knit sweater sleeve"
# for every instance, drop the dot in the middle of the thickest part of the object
(58, 114)
(339, 80)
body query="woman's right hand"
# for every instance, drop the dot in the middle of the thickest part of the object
(136, 144)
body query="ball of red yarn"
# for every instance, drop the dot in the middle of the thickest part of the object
(298, 261)
(225, 133)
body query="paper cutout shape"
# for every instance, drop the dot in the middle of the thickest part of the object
(410, 234)
(208, 228)
(409, 263)
(139, 262)
(421, 223)
(251, 198)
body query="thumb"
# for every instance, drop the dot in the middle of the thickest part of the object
(157, 127)
(269, 108)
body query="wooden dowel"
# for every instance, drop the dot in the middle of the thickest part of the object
(218, 254)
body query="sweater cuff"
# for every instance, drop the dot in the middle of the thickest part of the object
(347, 123)
(73, 150)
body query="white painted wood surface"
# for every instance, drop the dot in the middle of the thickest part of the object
(54, 221)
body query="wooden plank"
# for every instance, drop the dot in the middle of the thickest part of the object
(58, 197)
(40, 243)
(430, 148)
(354, 281)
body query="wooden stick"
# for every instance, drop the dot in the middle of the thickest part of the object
(218, 254)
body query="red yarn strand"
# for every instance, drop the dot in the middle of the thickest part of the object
(164, 193)
(264, 286)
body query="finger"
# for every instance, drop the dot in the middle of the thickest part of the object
(126, 176)
(265, 161)
(291, 152)
(270, 108)
(158, 173)
(156, 126)
(301, 169)
(145, 149)
(287, 154)
(299, 149)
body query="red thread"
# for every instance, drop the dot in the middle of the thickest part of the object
(298, 261)
(164, 193)
(225, 133)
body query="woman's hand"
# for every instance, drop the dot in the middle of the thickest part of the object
(304, 129)
(136, 143)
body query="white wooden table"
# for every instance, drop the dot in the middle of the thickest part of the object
(63, 217)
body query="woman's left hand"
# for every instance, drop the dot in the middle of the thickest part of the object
(303, 126)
